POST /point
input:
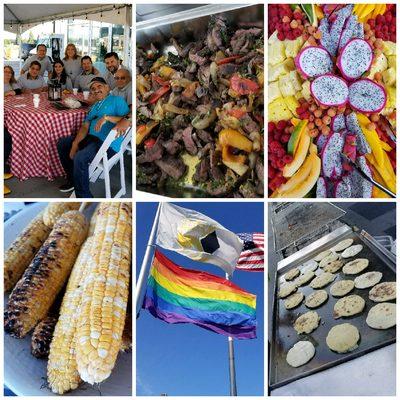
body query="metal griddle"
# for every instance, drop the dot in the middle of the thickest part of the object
(283, 334)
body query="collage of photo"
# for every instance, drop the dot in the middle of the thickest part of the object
(179, 222)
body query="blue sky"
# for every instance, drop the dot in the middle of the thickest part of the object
(184, 359)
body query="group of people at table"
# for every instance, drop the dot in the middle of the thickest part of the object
(111, 107)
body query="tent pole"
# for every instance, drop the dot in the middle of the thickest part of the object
(144, 271)
(232, 369)
(127, 51)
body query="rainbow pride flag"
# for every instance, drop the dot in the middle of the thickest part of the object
(177, 295)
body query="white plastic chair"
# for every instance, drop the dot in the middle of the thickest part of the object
(101, 165)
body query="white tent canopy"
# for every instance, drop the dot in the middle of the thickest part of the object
(20, 17)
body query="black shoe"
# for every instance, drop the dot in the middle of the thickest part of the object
(67, 187)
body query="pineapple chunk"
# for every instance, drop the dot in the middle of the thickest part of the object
(278, 110)
(389, 77)
(286, 86)
(293, 47)
(379, 65)
(391, 97)
(276, 53)
(273, 92)
(389, 48)
(306, 90)
(392, 61)
(298, 95)
(295, 78)
(277, 70)
(191, 162)
(292, 104)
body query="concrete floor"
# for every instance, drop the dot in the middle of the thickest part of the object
(42, 188)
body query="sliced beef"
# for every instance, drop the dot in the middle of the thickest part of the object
(196, 58)
(204, 136)
(188, 141)
(172, 166)
(260, 170)
(226, 70)
(201, 174)
(151, 154)
(248, 124)
(178, 123)
(205, 150)
(172, 147)
(203, 75)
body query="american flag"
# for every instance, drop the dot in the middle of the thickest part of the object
(252, 256)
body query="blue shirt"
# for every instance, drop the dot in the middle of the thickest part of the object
(113, 106)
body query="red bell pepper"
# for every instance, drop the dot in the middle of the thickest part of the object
(160, 81)
(237, 113)
(158, 93)
(227, 60)
(243, 86)
(149, 143)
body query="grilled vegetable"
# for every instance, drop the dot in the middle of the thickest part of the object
(105, 294)
(62, 371)
(42, 336)
(22, 250)
(35, 292)
(54, 211)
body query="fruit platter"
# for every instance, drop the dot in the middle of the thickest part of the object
(331, 100)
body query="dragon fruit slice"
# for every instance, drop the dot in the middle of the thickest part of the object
(354, 127)
(348, 32)
(330, 90)
(313, 61)
(338, 123)
(326, 40)
(331, 155)
(355, 58)
(321, 141)
(360, 187)
(322, 189)
(338, 25)
(359, 31)
(367, 96)
(342, 189)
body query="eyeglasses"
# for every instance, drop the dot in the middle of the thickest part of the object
(120, 78)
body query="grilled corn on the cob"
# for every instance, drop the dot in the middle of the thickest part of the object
(35, 292)
(54, 211)
(42, 336)
(22, 250)
(127, 333)
(92, 223)
(62, 371)
(105, 294)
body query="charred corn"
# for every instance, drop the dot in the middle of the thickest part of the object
(22, 250)
(92, 223)
(35, 292)
(62, 371)
(42, 336)
(105, 295)
(54, 211)
(127, 333)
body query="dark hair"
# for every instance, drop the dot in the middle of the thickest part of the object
(12, 79)
(63, 77)
(111, 54)
(86, 58)
(41, 44)
(28, 75)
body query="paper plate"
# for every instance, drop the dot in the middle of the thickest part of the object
(24, 374)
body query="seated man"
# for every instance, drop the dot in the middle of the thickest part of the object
(123, 86)
(76, 153)
(41, 57)
(113, 64)
(82, 81)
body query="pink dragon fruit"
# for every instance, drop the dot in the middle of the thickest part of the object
(338, 123)
(331, 156)
(360, 187)
(322, 188)
(329, 90)
(342, 189)
(350, 149)
(348, 31)
(367, 96)
(321, 141)
(338, 25)
(354, 127)
(355, 58)
(313, 61)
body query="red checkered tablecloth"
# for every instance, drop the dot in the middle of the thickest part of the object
(35, 132)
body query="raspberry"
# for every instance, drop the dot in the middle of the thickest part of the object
(281, 125)
(285, 138)
(271, 127)
(281, 36)
(280, 153)
(280, 163)
(287, 159)
(297, 15)
(277, 135)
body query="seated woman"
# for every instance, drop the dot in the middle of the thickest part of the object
(61, 76)
(11, 87)
(31, 81)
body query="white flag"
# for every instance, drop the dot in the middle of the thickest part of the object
(198, 237)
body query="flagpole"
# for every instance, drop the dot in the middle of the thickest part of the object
(232, 369)
(144, 271)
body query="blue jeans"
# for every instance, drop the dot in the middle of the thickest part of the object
(77, 169)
